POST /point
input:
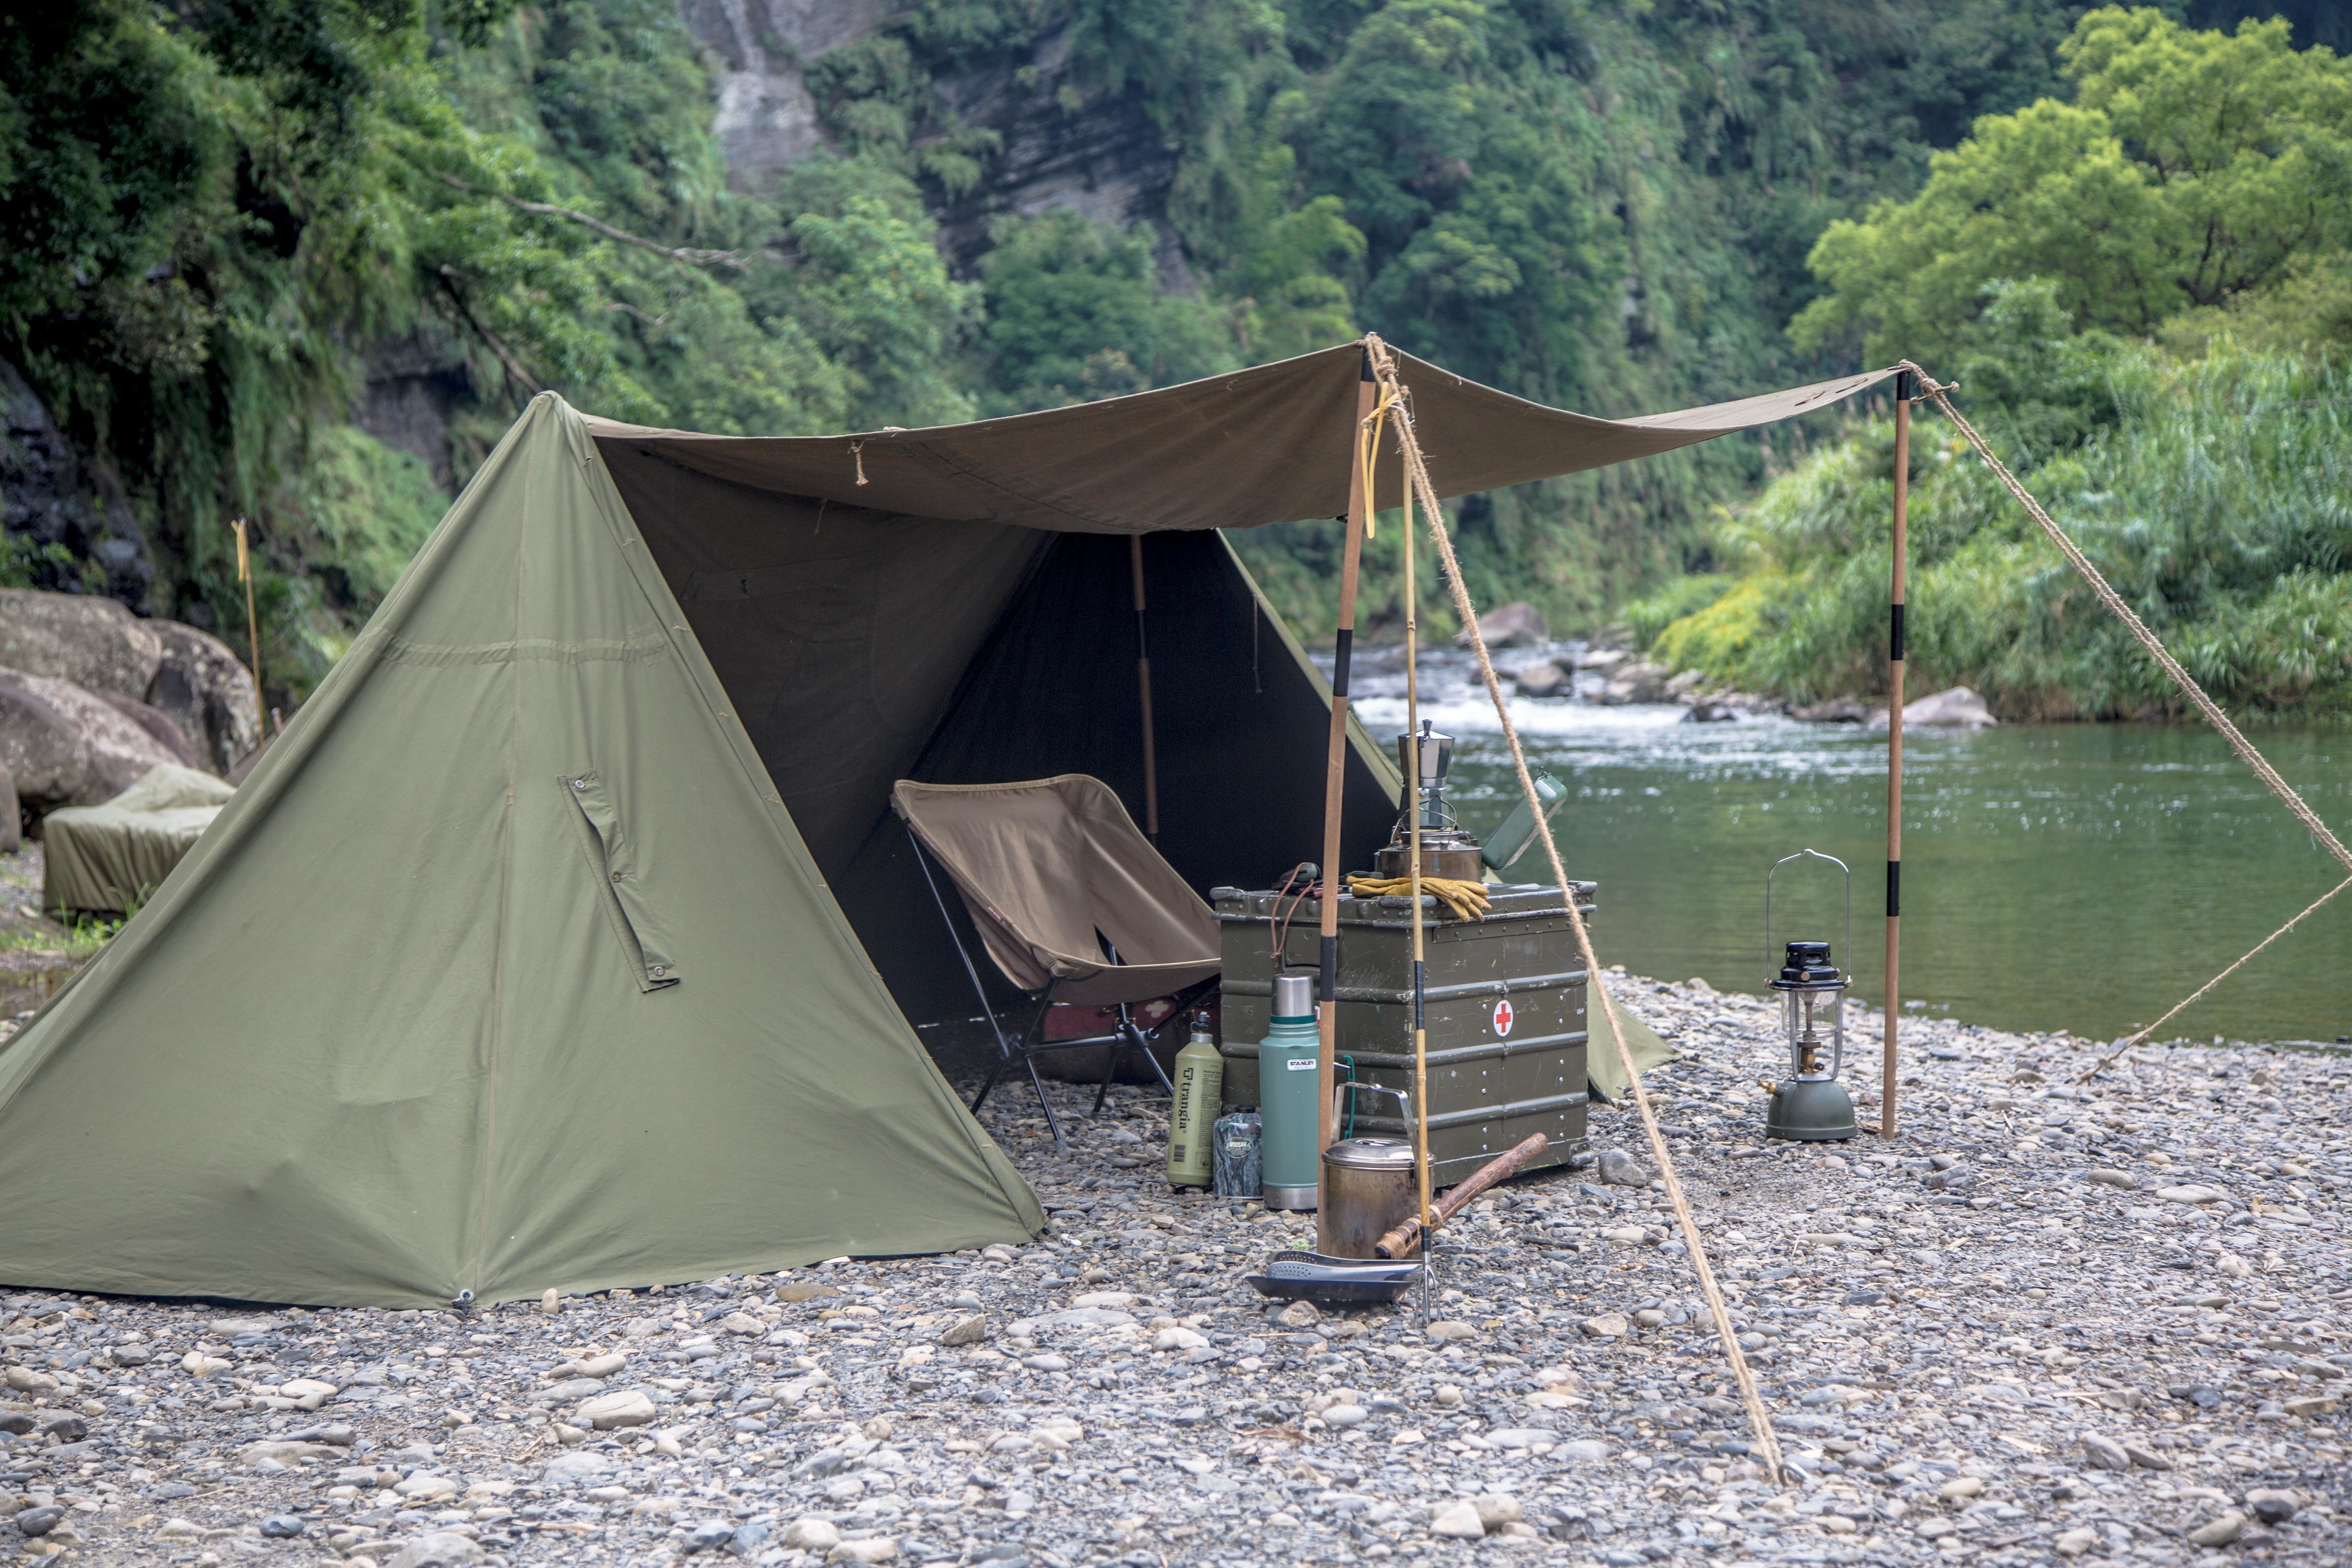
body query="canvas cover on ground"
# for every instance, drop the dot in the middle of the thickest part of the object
(109, 857)
(506, 970)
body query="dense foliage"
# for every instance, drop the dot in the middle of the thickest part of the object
(215, 216)
(2192, 196)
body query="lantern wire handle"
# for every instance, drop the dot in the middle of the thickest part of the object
(1849, 899)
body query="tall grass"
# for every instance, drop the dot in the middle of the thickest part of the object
(2215, 494)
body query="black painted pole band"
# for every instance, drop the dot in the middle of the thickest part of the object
(1894, 888)
(1894, 634)
(1345, 645)
(1906, 386)
(1330, 958)
(1420, 990)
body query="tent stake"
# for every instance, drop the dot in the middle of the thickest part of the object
(1143, 682)
(1334, 775)
(1906, 387)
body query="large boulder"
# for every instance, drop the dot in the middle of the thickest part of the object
(1957, 709)
(167, 670)
(65, 746)
(155, 722)
(11, 827)
(92, 641)
(1545, 679)
(1515, 624)
(209, 693)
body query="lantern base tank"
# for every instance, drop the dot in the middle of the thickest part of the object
(1810, 1110)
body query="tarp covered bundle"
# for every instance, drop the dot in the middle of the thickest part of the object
(565, 938)
(107, 858)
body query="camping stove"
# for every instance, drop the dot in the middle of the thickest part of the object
(1446, 849)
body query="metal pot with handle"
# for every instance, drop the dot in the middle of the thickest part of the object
(1370, 1185)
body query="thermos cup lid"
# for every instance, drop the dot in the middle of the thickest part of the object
(1294, 996)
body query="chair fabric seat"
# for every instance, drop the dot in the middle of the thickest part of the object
(1044, 866)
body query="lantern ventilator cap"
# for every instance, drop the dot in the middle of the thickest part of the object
(1808, 968)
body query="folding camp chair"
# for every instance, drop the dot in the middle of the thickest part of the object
(1073, 904)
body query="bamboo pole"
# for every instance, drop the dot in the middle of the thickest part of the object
(1143, 683)
(1334, 775)
(1413, 861)
(1905, 388)
(253, 635)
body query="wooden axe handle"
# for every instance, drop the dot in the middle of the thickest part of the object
(1500, 1169)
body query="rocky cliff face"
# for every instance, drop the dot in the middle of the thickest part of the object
(1104, 157)
(49, 496)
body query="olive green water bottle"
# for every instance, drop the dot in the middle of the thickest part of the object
(1200, 1078)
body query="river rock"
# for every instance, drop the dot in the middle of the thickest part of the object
(1457, 1520)
(2272, 1506)
(810, 1533)
(1641, 682)
(1544, 680)
(2103, 1453)
(1607, 1326)
(1838, 710)
(39, 1521)
(1619, 1169)
(967, 1330)
(629, 1407)
(2220, 1530)
(436, 1549)
(65, 746)
(2190, 1193)
(1515, 624)
(1957, 708)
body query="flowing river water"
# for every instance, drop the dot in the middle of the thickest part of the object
(2082, 877)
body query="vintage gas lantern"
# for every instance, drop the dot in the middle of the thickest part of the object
(1811, 1106)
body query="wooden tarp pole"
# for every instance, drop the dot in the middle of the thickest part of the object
(1335, 771)
(1906, 387)
(253, 635)
(1143, 683)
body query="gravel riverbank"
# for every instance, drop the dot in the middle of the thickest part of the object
(2097, 1325)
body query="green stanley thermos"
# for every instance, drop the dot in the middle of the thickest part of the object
(1200, 1080)
(1287, 1076)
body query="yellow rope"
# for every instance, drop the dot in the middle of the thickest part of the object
(1468, 900)
(1384, 368)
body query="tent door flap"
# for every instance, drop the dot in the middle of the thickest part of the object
(613, 857)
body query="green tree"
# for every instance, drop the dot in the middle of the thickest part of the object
(2192, 169)
(1074, 313)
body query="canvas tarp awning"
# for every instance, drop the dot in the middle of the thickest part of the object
(105, 858)
(1260, 446)
(563, 939)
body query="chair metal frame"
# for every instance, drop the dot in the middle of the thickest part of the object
(1028, 1042)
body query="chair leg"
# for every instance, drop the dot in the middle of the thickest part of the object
(1127, 1025)
(1110, 1072)
(987, 1084)
(1060, 1148)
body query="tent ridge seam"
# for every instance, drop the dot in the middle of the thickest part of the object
(641, 644)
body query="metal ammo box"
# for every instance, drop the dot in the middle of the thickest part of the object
(1504, 1007)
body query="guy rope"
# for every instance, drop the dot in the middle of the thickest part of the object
(2196, 694)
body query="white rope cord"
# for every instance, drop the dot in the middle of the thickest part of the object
(1384, 368)
(2122, 612)
(2113, 1057)
(2181, 678)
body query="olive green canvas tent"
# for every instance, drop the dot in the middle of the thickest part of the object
(565, 940)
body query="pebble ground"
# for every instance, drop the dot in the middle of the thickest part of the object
(2102, 1324)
